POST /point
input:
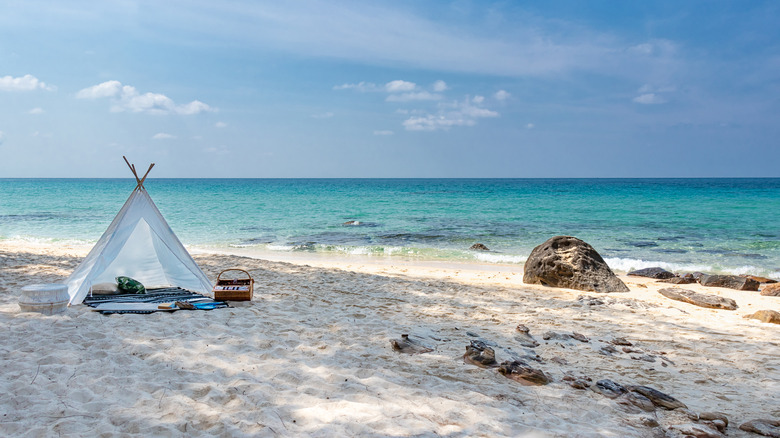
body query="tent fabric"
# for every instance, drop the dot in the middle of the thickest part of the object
(140, 244)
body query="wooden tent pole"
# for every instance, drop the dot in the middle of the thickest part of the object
(141, 183)
(132, 169)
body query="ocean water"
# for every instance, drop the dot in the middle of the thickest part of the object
(711, 225)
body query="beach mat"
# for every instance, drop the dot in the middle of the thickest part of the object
(149, 302)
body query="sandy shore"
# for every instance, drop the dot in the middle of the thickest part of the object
(311, 355)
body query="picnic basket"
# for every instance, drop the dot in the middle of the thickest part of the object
(239, 289)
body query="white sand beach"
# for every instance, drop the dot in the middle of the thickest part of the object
(311, 355)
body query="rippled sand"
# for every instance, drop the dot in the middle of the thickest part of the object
(311, 355)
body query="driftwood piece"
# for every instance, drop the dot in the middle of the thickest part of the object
(698, 299)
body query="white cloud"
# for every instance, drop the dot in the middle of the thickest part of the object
(162, 136)
(464, 113)
(127, 98)
(383, 132)
(501, 95)
(478, 99)
(23, 83)
(529, 126)
(106, 89)
(360, 86)
(406, 97)
(649, 99)
(326, 115)
(440, 86)
(2, 137)
(220, 125)
(194, 107)
(399, 86)
(36, 111)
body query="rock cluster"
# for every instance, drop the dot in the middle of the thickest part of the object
(644, 403)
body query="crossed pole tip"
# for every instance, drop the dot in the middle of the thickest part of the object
(140, 181)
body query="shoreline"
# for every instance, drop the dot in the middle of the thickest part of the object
(621, 266)
(311, 355)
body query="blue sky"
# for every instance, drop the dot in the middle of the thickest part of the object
(390, 89)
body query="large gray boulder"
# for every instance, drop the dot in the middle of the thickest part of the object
(565, 261)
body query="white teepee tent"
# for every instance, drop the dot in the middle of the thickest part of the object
(138, 244)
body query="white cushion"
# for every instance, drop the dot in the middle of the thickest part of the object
(104, 289)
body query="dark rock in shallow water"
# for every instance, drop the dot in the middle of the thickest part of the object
(697, 299)
(409, 346)
(480, 355)
(769, 428)
(521, 372)
(565, 261)
(729, 281)
(479, 247)
(658, 398)
(657, 273)
(770, 316)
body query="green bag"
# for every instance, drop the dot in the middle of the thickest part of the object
(127, 285)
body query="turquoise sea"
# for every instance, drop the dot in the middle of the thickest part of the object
(713, 225)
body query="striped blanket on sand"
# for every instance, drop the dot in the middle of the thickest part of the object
(147, 303)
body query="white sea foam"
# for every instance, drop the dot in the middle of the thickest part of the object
(500, 258)
(277, 247)
(22, 239)
(627, 265)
